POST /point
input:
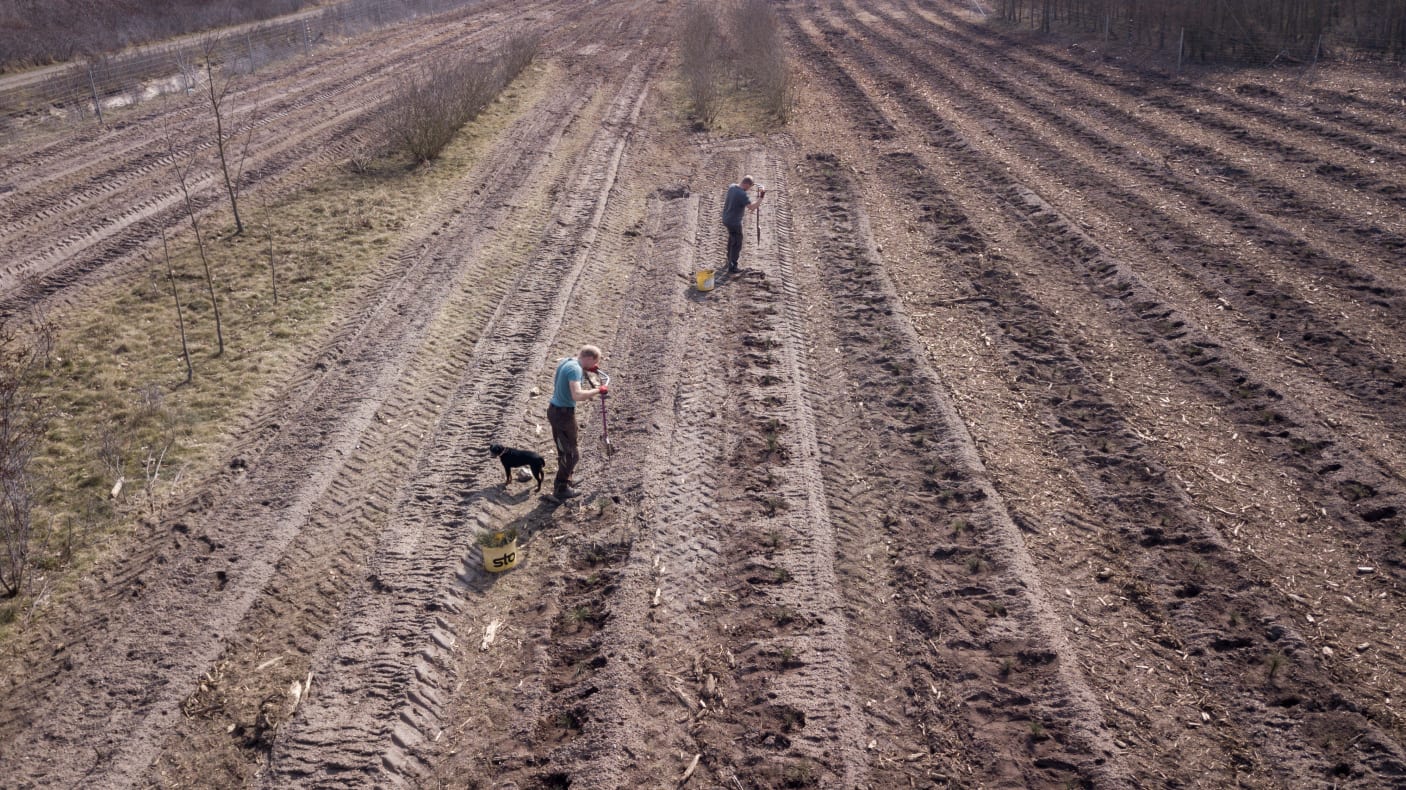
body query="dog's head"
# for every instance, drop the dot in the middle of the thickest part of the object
(495, 450)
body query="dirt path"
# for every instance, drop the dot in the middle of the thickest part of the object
(1050, 436)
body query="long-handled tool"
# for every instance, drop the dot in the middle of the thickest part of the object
(604, 427)
(761, 189)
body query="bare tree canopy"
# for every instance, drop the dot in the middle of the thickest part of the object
(1250, 30)
(40, 32)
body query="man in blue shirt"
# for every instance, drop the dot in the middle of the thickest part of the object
(735, 207)
(561, 413)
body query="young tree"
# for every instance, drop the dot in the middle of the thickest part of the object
(182, 176)
(217, 91)
(23, 424)
(180, 316)
(700, 55)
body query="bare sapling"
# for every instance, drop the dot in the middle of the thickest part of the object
(518, 54)
(434, 102)
(761, 54)
(112, 454)
(44, 333)
(217, 91)
(183, 176)
(23, 424)
(251, 122)
(180, 316)
(190, 75)
(700, 55)
(93, 64)
(151, 468)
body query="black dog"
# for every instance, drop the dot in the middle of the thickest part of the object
(512, 459)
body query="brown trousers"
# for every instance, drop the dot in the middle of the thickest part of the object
(563, 422)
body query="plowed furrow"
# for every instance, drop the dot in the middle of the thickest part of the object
(50, 262)
(1371, 116)
(1150, 89)
(301, 604)
(1255, 170)
(954, 606)
(1096, 450)
(88, 148)
(1210, 361)
(835, 721)
(1350, 363)
(224, 549)
(398, 651)
(1178, 574)
(952, 540)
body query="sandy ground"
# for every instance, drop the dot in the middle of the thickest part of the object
(1051, 435)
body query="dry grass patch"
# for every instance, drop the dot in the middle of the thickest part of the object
(115, 384)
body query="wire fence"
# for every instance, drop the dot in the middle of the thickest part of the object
(83, 90)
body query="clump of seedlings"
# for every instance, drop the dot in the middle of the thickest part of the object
(568, 720)
(771, 505)
(799, 775)
(1037, 731)
(1273, 663)
(578, 617)
(498, 538)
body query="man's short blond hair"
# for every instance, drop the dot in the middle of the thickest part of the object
(589, 351)
(747, 180)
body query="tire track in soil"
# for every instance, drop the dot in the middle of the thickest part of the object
(382, 709)
(72, 150)
(789, 665)
(1335, 349)
(112, 235)
(195, 583)
(300, 605)
(1360, 492)
(677, 342)
(925, 195)
(580, 670)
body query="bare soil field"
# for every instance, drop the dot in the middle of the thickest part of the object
(1052, 434)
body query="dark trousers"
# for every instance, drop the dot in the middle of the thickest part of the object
(734, 245)
(563, 422)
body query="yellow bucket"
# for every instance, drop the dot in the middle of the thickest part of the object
(705, 279)
(501, 558)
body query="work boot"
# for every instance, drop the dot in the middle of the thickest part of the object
(563, 495)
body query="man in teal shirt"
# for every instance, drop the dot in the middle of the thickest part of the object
(561, 413)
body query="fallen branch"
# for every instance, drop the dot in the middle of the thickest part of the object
(693, 766)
